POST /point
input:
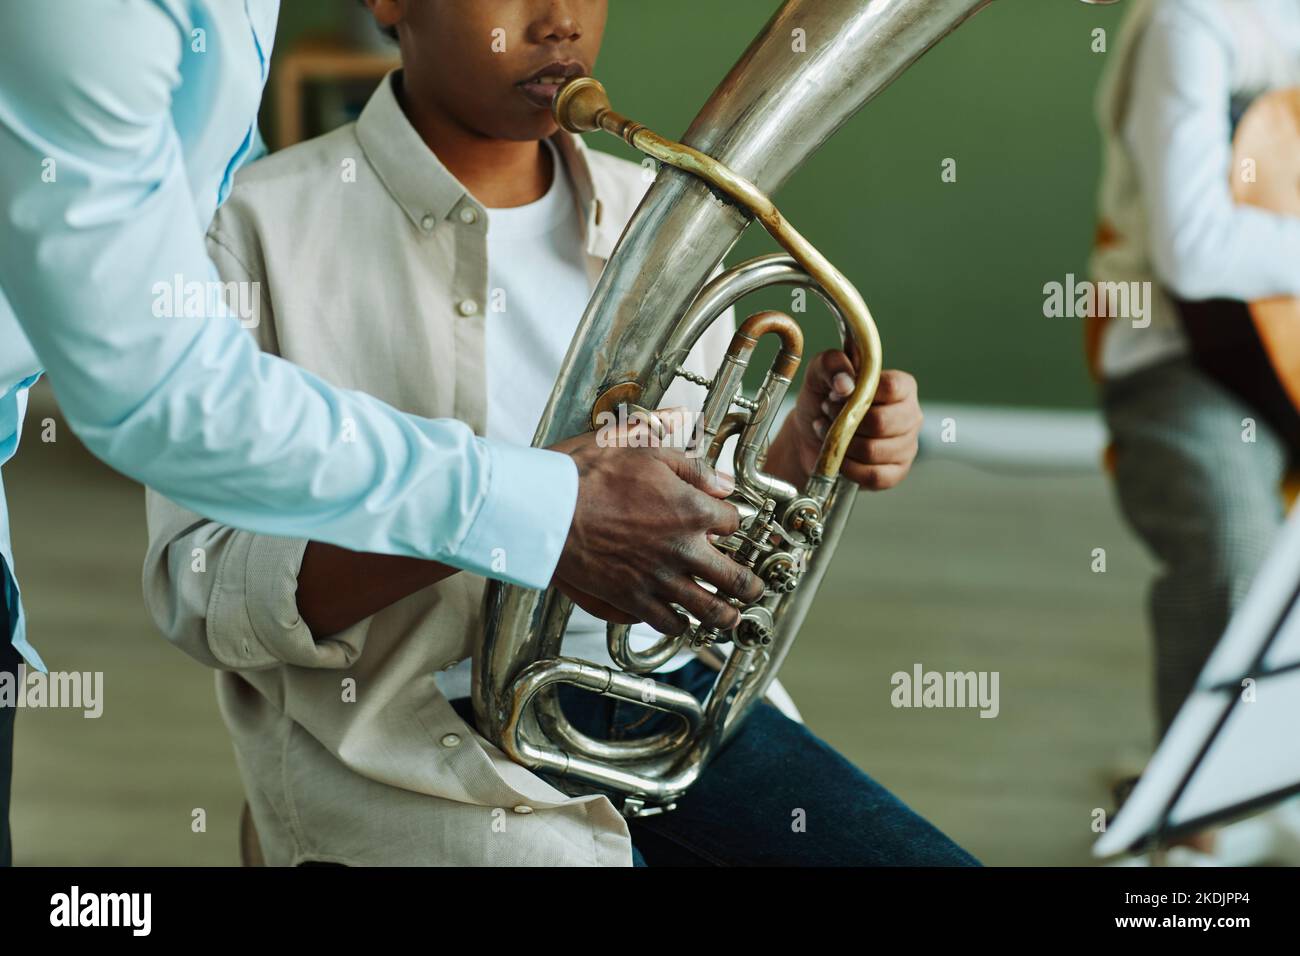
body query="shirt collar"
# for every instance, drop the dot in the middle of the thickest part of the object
(425, 189)
(600, 234)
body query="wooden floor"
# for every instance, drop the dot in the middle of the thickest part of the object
(958, 570)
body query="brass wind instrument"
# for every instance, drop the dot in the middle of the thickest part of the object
(653, 301)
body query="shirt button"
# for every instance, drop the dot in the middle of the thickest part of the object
(467, 307)
(469, 215)
(451, 740)
(523, 808)
(427, 223)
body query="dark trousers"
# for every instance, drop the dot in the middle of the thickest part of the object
(9, 664)
(775, 795)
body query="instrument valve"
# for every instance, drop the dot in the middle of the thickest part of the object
(756, 628)
(784, 579)
(702, 636)
(805, 519)
(782, 571)
(755, 540)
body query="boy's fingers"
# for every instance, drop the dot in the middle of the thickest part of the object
(886, 421)
(895, 386)
(822, 371)
(842, 385)
(881, 421)
(874, 477)
(817, 390)
(896, 450)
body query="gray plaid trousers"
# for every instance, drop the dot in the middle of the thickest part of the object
(1203, 498)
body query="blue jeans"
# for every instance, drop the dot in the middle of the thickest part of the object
(775, 795)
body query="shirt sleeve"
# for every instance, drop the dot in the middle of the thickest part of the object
(227, 598)
(188, 405)
(1178, 129)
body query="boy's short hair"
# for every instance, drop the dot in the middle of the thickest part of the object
(390, 32)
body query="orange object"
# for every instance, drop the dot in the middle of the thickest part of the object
(1266, 173)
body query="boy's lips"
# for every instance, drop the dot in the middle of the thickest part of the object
(540, 88)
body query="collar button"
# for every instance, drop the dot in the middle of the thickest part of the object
(469, 215)
(427, 223)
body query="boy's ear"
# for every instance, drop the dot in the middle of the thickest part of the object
(387, 13)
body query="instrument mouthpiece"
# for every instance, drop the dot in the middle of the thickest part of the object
(579, 105)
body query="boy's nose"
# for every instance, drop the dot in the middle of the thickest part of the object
(557, 22)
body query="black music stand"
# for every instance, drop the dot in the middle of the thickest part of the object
(1234, 747)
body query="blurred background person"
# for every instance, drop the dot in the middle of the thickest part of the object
(1203, 432)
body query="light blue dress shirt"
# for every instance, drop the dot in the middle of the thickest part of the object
(121, 127)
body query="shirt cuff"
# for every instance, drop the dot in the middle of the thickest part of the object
(253, 619)
(524, 520)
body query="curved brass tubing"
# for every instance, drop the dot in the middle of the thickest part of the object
(776, 323)
(733, 424)
(582, 106)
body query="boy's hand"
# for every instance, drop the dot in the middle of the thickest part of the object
(882, 451)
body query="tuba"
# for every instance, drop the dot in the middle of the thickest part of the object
(653, 301)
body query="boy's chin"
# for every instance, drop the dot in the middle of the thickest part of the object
(541, 126)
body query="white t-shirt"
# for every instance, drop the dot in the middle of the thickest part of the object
(537, 291)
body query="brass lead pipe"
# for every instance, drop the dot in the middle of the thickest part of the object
(582, 106)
